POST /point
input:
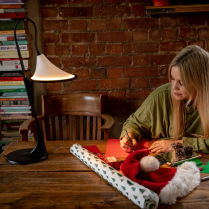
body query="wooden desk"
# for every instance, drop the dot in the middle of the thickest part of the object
(63, 181)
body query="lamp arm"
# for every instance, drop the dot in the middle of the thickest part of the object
(40, 148)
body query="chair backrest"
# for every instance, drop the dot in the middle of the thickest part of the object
(76, 116)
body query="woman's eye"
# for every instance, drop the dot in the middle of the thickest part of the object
(172, 78)
(181, 83)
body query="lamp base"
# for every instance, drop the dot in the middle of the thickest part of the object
(24, 156)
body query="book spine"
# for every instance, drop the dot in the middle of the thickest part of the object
(14, 67)
(13, 87)
(11, 79)
(14, 54)
(2, 83)
(12, 74)
(10, 6)
(20, 102)
(25, 112)
(9, 32)
(12, 15)
(12, 90)
(13, 62)
(9, 59)
(12, 48)
(11, 1)
(5, 43)
(10, 126)
(12, 99)
(16, 108)
(21, 10)
(16, 117)
(11, 38)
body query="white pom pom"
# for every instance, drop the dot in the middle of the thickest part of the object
(148, 164)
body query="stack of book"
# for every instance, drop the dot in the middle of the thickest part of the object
(14, 109)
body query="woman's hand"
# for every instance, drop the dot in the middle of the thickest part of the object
(162, 146)
(127, 145)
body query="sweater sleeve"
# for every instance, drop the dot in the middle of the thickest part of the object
(139, 123)
(198, 144)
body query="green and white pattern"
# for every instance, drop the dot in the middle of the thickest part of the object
(138, 194)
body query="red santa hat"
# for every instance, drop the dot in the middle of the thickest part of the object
(168, 183)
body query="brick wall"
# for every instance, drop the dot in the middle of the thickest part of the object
(115, 48)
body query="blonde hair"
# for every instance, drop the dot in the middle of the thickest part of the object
(193, 64)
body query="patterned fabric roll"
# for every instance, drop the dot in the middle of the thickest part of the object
(138, 194)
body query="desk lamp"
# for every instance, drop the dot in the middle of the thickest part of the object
(45, 72)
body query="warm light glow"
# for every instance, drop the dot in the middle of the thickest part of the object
(46, 71)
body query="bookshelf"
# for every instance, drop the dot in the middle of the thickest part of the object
(14, 104)
(177, 9)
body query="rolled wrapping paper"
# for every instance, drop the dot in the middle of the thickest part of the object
(138, 194)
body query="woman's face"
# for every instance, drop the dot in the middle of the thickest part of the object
(179, 91)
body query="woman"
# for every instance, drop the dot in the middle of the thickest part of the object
(178, 110)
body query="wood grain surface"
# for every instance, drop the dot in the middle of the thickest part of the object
(63, 181)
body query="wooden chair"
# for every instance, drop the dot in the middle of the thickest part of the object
(71, 116)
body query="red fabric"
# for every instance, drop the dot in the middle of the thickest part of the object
(154, 180)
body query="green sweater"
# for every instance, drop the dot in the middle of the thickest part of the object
(154, 119)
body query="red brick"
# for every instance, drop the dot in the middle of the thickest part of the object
(78, 62)
(55, 61)
(96, 24)
(163, 34)
(141, 47)
(78, 24)
(140, 36)
(112, 1)
(140, 23)
(113, 36)
(172, 20)
(55, 24)
(172, 46)
(143, 94)
(117, 10)
(140, 60)
(140, 83)
(203, 33)
(53, 2)
(161, 59)
(198, 43)
(76, 11)
(79, 85)
(77, 37)
(54, 86)
(79, 49)
(114, 61)
(197, 18)
(98, 73)
(97, 49)
(117, 95)
(114, 83)
(114, 48)
(49, 12)
(141, 71)
(81, 73)
(94, 1)
(50, 38)
(138, 10)
(76, 2)
(115, 73)
(56, 49)
(113, 23)
(156, 82)
(133, 94)
(187, 33)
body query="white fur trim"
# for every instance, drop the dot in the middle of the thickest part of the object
(186, 178)
(149, 163)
